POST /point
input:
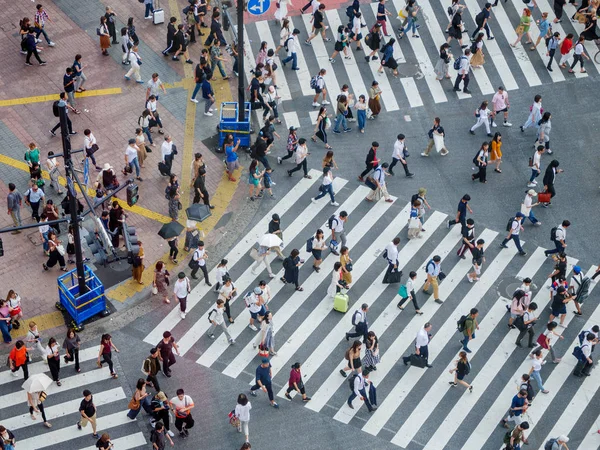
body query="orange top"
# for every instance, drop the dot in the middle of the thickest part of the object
(19, 356)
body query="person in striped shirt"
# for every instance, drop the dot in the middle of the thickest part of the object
(40, 18)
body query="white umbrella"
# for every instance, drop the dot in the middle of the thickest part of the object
(270, 240)
(36, 383)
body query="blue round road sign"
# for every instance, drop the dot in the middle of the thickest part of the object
(258, 7)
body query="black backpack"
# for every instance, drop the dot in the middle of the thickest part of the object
(330, 221)
(466, 367)
(553, 233)
(509, 224)
(479, 18)
(548, 445)
(354, 317)
(414, 198)
(461, 324)
(474, 48)
(55, 110)
(210, 314)
(351, 381)
(475, 158)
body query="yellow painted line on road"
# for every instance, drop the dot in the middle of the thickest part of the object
(21, 165)
(53, 97)
(43, 322)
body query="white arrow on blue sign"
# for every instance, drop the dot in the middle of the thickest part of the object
(258, 7)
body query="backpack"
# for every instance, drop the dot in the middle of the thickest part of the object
(210, 314)
(431, 261)
(285, 44)
(309, 244)
(55, 110)
(313, 82)
(351, 381)
(578, 353)
(450, 12)
(548, 445)
(519, 322)
(253, 151)
(509, 224)
(474, 48)
(354, 317)
(461, 324)
(507, 437)
(186, 10)
(414, 198)
(368, 38)
(350, 12)
(330, 221)
(553, 233)
(466, 367)
(475, 158)
(479, 17)
(457, 62)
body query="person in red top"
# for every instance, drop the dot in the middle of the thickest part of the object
(18, 358)
(565, 50)
(106, 346)
(295, 383)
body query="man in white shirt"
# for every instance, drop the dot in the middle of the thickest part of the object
(292, 46)
(326, 187)
(320, 90)
(585, 364)
(391, 253)
(154, 87)
(154, 116)
(379, 177)
(527, 205)
(560, 239)
(337, 226)
(513, 233)
(463, 72)
(88, 142)
(536, 167)
(421, 345)
(360, 383)
(166, 151)
(529, 320)
(361, 325)
(181, 289)
(131, 158)
(182, 405)
(266, 292)
(255, 304)
(500, 104)
(398, 155)
(198, 261)
(216, 319)
(301, 155)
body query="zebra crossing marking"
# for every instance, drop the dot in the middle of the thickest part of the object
(264, 31)
(124, 443)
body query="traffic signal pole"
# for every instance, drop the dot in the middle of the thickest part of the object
(241, 6)
(70, 175)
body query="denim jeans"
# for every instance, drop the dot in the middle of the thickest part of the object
(534, 175)
(5, 329)
(514, 237)
(136, 164)
(340, 119)
(466, 341)
(45, 244)
(294, 58)
(149, 10)
(326, 189)
(531, 217)
(219, 64)
(538, 379)
(361, 117)
(558, 248)
(410, 23)
(196, 89)
(147, 131)
(263, 161)
(144, 403)
(39, 31)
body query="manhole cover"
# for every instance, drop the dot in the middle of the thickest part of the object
(508, 286)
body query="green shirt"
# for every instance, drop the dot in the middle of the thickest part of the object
(32, 156)
(470, 325)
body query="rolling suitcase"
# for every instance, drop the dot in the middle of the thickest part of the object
(158, 16)
(340, 302)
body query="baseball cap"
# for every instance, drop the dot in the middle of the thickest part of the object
(258, 291)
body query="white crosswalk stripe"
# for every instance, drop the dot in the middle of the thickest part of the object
(61, 407)
(307, 330)
(503, 63)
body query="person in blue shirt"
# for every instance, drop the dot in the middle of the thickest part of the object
(388, 60)
(209, 97)
(518, 406)
(552, 46)
(30, 46)
(264, 377)
(231, 156)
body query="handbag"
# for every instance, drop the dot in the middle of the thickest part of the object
(541, 340)
(544, 197)
(93, 149)
(370, 183)
(234, 420)
(134, 404)
(42, 396)
(417, 361)
(61, 249)
(349, 267)
(519, 29)
(154, 290)
(254, 254)
(403, 292)
(414, 223)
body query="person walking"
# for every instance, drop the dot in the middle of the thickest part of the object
(496, 151)
(578, 55)
(292, 45)
(34, 197)
(400, 154)
(549, 178)
(536, 166)
(35, 401)
(295, 383)
(433, 270)
(53, 356)
(360, 323)
(262, 256)
(14, 202)
(565, 50)
(320, 89)
(151, 367)
(371, 162)
(391, 255)
(56, 253)
(536, 367)
(255, 303)
(471, 325)
(71, 345)
(478, 58)
(140, 399)
(342, 113)
(463, 72)
(33, 338)
(585, 361)
(523, 28)
(242, 412)
(559, 305)
(346, 266)
(500, 104)
(482, 21)
(166, 347)
(80, 77)
(215, 316)
(265, 340)
(558, 443)
(105, 352)
(436, 133)
(462, 367)
(159, 282)
(546, 339)
(69, 87)
(291, 266)
(382, 12)
(352, 355)
(483, 118)
(535, 114)
(560, 238)
(375, 99)
(87, 409)
(529, 319)
(359, 385)
(514, 229)
(326, 187)
(321, 126)
(134, 63)
(341, 44)
(442, 67)
(517, 436)
(478, 260)
(481, 161)
(552, 46)
(264, 376)
(461, 214)
(544, 128)
(181, 289)
(421, 345)
(455, 28)
(381, 189)
(319, 26)
(468, 238)
(387, 59)
(371, 358)
(409, 293)
(336, 225)
(301, 155)
(18, 359)
(199, 257)
(361, 112)
(131, 158)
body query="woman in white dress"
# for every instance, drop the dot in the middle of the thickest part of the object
(282, 9)
(284, 34)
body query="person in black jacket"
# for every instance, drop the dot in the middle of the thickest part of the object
(180, 45)
(171, 30)
(549, 178)
(30, 46)
(110, 23)
(216, 31)
(371, 162)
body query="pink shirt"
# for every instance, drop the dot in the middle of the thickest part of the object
(499, 101)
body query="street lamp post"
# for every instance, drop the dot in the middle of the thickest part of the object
(241, 4)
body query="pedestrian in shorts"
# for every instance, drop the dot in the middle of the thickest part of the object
(478, 260)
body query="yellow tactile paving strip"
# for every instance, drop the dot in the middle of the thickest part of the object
(52, 97)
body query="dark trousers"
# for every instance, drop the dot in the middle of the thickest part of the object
(575, 59)
(107, 358)
(478, 29)
(74, 357)
(162, 415)
(369, 167)
(269, 387)
(364, 395)
(35, 208)
(35, 53)
(56, 257)
(393, 164)
(227, 309)
(205, 199)
(551, 52)
(463, 249)
(41, 408)
(557, 248)
(583, 367)
(290, 389)
(414, 301)
(522, 335)
(288, 156)
(263, 161)
(168, 361)
(204, 271)
(423, 353)
(459, 78)
(181, 421)
(54, 366)
(154, 380)
(302, 166)
(514, 237)
(69, 126)
(182, 303)
(25, 370)
(462, 220)
(360, 329)
(112, 32)
(481, 174)
(173, 250)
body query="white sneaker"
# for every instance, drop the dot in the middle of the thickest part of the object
(470, 279)
(252, 327)
(325, 102)
(530, 185)
(279, 161)
(15, 374)
(148, 17)
(210, 109)
(316, 105)
(271, 275)
(507, 124)
(534, 182)
(38, 41)
(193, 100)
(182, 315)
(424, 154)
(51, 44)
(170, 433)
(334, 204)
(152, 423)
(494, 125)
(231, 342)
(313, 200)
(208, 114)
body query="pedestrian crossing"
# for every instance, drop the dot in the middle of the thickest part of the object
(507, 66)
(415, 405)
(62, 408)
